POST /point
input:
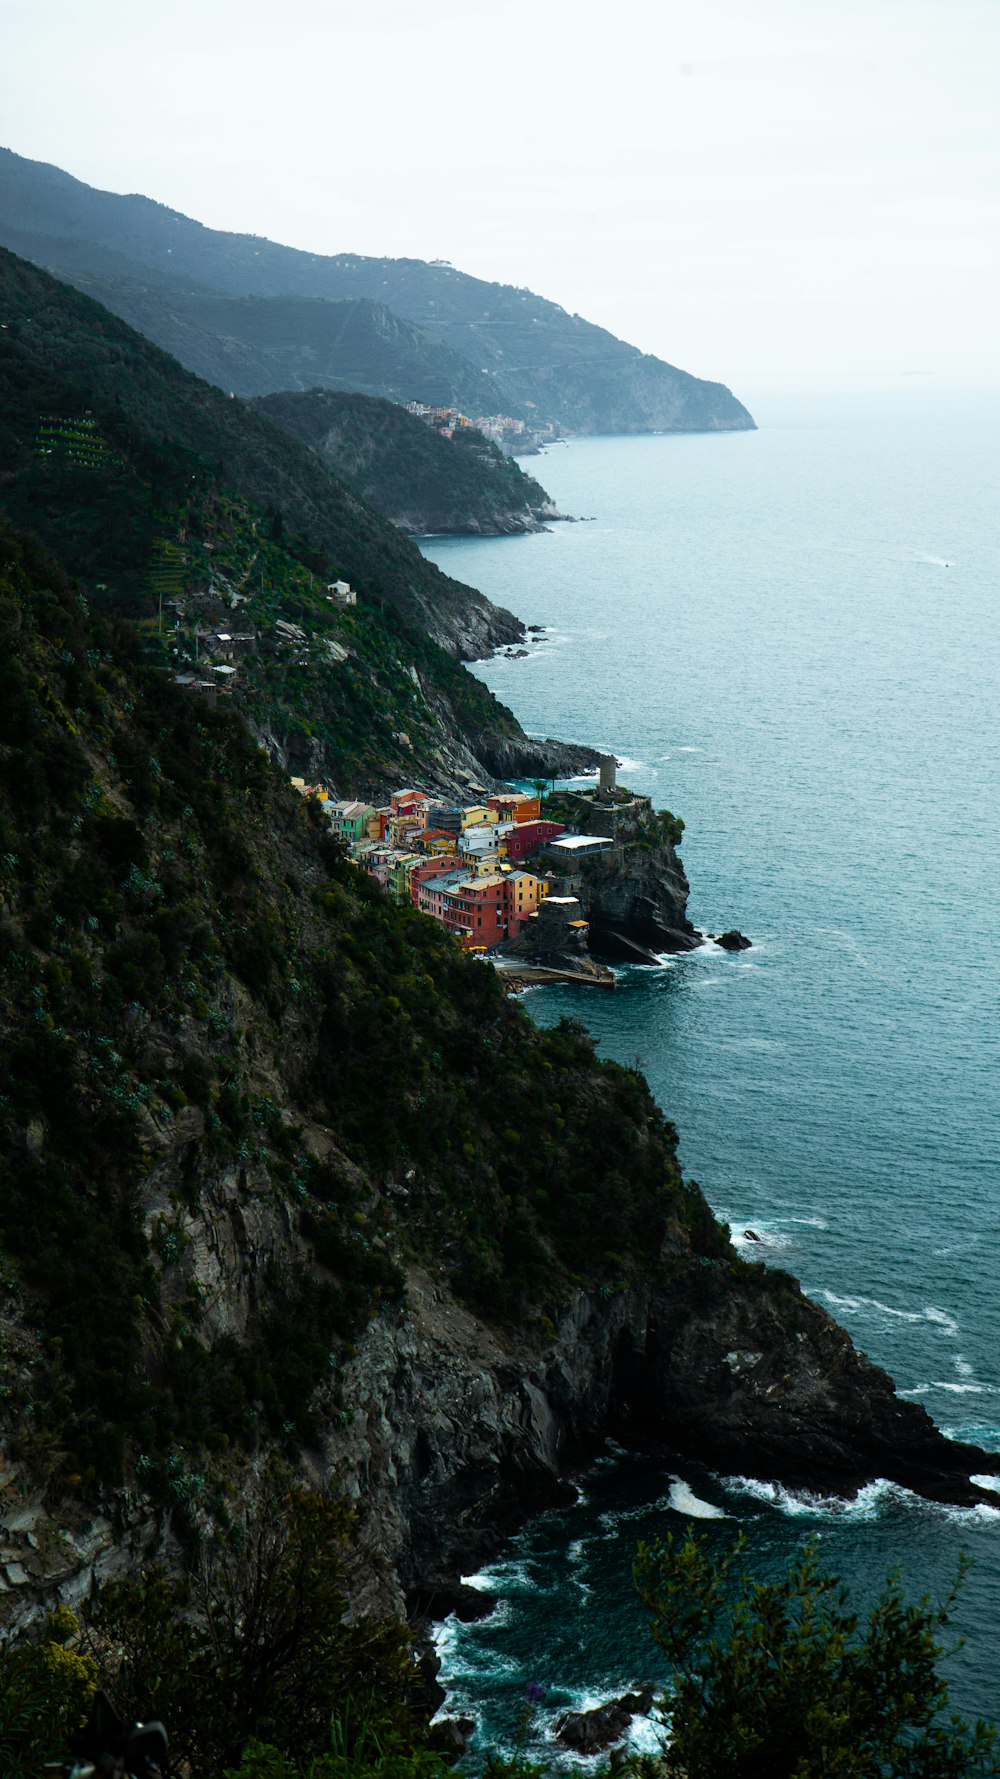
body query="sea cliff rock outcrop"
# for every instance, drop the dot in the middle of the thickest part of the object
(461, 1431)
(636, 903)
(634, 892)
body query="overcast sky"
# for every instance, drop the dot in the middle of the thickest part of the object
(770, 192)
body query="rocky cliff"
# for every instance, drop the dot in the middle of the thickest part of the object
(421, 480)
(635, 893)
(461, 1431)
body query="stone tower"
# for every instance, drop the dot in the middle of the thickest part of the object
(608, 770)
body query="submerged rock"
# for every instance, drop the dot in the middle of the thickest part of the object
(733, 941)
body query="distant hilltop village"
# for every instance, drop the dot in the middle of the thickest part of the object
(493, 873)
(503, 429)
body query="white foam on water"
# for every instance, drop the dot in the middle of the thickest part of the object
(953, 1389)
(963, 1367)
(799, 1503)
(943, 1320)
(862, 1305)
(484, 1580)
(764, 1236)
(867, 1504)
(987, 1482)
(683, 1500)
(646, 1735)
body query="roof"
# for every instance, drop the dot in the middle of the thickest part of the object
(581, 842)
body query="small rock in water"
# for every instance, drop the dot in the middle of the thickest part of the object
(751, 1235)
(588, 1732)
(452, 1735)
(733, 941)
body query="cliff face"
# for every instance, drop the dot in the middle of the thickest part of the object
(419, 479)
(636, 903)
(446, 1432)
(460, 1432)
(635, 893)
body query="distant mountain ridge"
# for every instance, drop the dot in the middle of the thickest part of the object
(532, 355)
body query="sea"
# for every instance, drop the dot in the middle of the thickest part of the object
(791, 639)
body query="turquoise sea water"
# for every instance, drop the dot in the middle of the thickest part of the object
(793, 639)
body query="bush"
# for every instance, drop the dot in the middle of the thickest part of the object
(780, 1678)
(255, 1647)
(46, 1688)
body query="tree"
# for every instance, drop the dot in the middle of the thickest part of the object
(257, 1643)
(780, 1679)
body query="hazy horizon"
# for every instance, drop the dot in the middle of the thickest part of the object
(770, 196)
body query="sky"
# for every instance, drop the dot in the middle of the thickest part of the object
(779, 194)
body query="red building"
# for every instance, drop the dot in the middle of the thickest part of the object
(527, 837)
(431, 867)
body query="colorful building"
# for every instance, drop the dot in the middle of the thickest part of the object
(527, 837)
(400, 871)
(486, 837)
(518, 806)
(427, 871)
(350, 820)
(437, 840)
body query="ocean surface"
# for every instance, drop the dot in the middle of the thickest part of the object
(792, 639)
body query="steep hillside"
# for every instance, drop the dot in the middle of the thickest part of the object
(207, 1014)
(62, 353)
(285, 1170)
(570, 373)
(420, 480)
(89, 455)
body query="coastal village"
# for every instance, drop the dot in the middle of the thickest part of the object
(510, 434)
(492, 872)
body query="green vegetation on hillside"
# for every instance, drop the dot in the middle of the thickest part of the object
(181, 939)
(420, 480)
(156, 508)
(62, 354)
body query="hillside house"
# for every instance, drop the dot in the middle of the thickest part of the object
(517, 806)
(350, 820)
(526, 838)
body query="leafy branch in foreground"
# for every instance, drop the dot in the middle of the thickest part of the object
(782, 1678)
